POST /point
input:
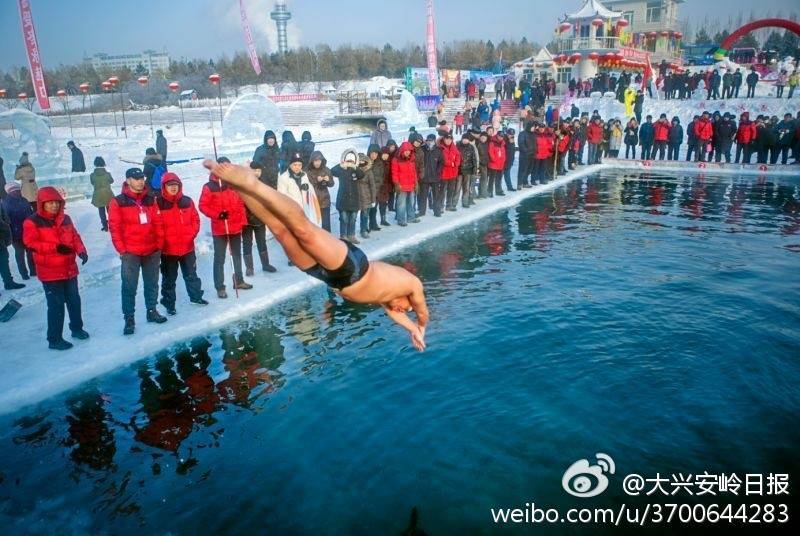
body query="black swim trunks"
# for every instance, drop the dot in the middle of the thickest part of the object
(351, 271)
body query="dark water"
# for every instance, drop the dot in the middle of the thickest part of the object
(655, 319)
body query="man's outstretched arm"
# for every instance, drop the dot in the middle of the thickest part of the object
(417, 299)
(417, 335)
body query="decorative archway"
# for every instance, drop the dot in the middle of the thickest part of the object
(725, 46)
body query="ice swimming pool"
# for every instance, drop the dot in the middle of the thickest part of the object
(651, 317)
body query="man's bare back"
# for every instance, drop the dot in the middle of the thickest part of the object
(318, 253)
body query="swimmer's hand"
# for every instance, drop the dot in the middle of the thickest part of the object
(232, 174)
(418, 338)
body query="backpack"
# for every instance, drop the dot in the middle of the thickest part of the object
(158, 172)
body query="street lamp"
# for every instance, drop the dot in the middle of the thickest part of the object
(175, 87)
(215, 79)
(62, 95)
(84, 88)
(143, 81)
(108, 87)
(114, 81)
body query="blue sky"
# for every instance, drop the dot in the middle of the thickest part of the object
(209, 28)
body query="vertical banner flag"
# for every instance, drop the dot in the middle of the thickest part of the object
(431, 46)
(648, 73)
(248, 37)
(34, 60)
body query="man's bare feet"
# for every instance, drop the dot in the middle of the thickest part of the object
(232, 174)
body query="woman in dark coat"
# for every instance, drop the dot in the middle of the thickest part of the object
(321, 179)
(348, 202)
(288, 148)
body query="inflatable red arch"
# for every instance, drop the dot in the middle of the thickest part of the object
(726, 45)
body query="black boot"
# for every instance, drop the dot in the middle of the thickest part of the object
(60, 345)
(154, 316)
(130, 325)
(248, 265)
(385, 223)
(265, 265)
(13, 285)
(80, 334)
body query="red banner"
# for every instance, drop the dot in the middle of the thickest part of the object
(34, 60)
(248, 37)
(296, 97)
(431, 49)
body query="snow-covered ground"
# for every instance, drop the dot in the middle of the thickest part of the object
(33, 373)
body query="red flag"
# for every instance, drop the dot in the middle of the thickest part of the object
(648, 72)
(431, 46)
(34, 59)
(248, 37)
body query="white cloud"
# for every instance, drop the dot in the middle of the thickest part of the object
(264, 30)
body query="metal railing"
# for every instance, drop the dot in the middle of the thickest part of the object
(586, 43)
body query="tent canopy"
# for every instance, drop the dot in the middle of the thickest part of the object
(592, 9)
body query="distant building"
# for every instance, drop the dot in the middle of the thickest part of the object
(591, 38)
(149, 59)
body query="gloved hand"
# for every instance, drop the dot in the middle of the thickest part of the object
(223, 215)
(397, 189)
(84, 258)
(64, 249)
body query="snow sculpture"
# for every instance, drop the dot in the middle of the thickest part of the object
(406, 115)
(248, 117)
(31, 134)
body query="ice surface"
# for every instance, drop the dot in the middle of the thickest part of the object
(248, 117)
(406, 115)
(32, 135)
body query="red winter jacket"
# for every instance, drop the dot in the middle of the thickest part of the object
(563, 143)
(746, 132)
(180, 219)
(135, 223)
(404, 170)
(497, 153)
(43, 232)
(704, 130)
(544, 144)
(216, 198)
(452, 161)
(661, 131)
(594, 133)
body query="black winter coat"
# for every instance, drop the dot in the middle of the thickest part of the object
(266, 159)
(646, 134)
(434, 162)
(347, 199)
(631, 135)
(468, 164)
(78, 164)
(483, 153)
(675, 134)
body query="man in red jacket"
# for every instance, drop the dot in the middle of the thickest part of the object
(745, 135)
(660, 136)
(450, 169)
(181, 225)
(404, 177)
(55, 242)
(704, 131)
(137, 233)
(497, 162)
(226, 211)
(594, 135)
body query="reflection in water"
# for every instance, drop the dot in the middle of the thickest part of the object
(91, 437)
(173, 412)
